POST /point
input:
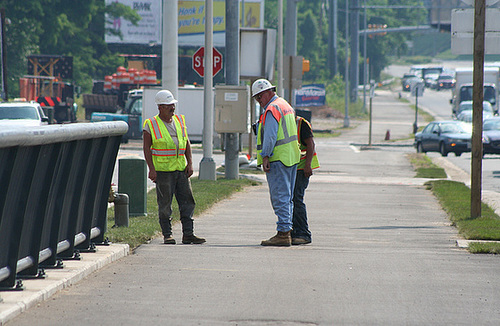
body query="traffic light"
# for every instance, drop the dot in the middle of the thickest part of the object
(377, 27)
(305, 65)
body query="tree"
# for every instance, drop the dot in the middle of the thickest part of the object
(61, 27)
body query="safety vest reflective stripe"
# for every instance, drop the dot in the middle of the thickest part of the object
(183, 125)
(156, 128)
(167, 152)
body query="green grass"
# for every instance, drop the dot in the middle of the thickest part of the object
(144, 228)
(425, 168)
(455, 200)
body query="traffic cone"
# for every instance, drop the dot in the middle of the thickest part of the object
(388, 135)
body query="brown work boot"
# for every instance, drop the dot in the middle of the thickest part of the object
(280, 239)
(188, 239)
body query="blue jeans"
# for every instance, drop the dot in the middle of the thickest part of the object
(300, 227)
(281, 180)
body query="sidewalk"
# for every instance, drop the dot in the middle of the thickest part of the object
(383, 253)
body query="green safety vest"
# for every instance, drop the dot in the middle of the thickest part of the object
(303, 148)
(166, 156)
(286, 148)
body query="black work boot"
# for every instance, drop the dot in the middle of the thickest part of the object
(282, 239)
(188, 239)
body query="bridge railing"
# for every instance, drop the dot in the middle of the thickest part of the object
(54, 187)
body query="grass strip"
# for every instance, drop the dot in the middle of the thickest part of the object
(425, 168)
(454, 197)
(144, 228)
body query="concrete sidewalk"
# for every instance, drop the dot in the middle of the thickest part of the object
(383, 253)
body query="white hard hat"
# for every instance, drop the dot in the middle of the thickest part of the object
(261, 85)
(164, 97)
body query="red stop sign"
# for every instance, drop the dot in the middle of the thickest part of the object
(198, 61)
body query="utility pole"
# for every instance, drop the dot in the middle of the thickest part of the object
(232, 78)
(169, 65)
(332, 38)
(207, 164)
(365, 60)
(477, 97)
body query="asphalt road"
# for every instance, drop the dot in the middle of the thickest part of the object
(437, 103)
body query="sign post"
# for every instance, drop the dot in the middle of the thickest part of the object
(199, 61)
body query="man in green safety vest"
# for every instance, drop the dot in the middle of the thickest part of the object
(167, 151)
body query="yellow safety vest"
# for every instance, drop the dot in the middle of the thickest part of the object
(166, 156)
(303, 148)
(286, 148)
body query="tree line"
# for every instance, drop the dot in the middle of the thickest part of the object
(77, 29)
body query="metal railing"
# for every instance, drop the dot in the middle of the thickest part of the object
(54, 187)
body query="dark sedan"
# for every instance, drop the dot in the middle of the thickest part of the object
(444, 137)
(445, 81)
(491, 136)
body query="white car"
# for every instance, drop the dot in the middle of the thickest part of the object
(22, 114)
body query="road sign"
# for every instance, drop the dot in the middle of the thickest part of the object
(199, 61)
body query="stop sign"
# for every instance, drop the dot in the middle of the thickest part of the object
(198, 61)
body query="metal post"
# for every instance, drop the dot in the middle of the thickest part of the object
(207, 164)
(346, 77)
(169, 66)
(290, 45)
(372, 93)
(232, 78)
(291, 28)
(335, 29)
(354, 67)
(280, 48)
(415, 124)
(477, 118)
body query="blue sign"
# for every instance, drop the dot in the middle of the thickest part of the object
(310, 95)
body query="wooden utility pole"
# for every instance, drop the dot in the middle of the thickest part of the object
(477, 97)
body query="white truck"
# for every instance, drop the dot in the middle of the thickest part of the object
(190, 104)
(463, 87)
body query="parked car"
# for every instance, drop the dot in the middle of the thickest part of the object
(467, 105)
(22, 114)
(491, 136)
(466, 115)
(431, 81)
(445, 82)
(407, 81)
(444, 137)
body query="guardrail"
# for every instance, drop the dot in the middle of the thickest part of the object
(54, 187)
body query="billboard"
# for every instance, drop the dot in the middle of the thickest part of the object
(148, 29)
(310, 95)
(191, 21)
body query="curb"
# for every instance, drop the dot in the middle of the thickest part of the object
(38, 290)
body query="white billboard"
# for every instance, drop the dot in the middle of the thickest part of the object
(148, 29)
(191, 21)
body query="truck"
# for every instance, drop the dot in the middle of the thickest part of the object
(139, 105)
(131, 114)
(464, 86)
